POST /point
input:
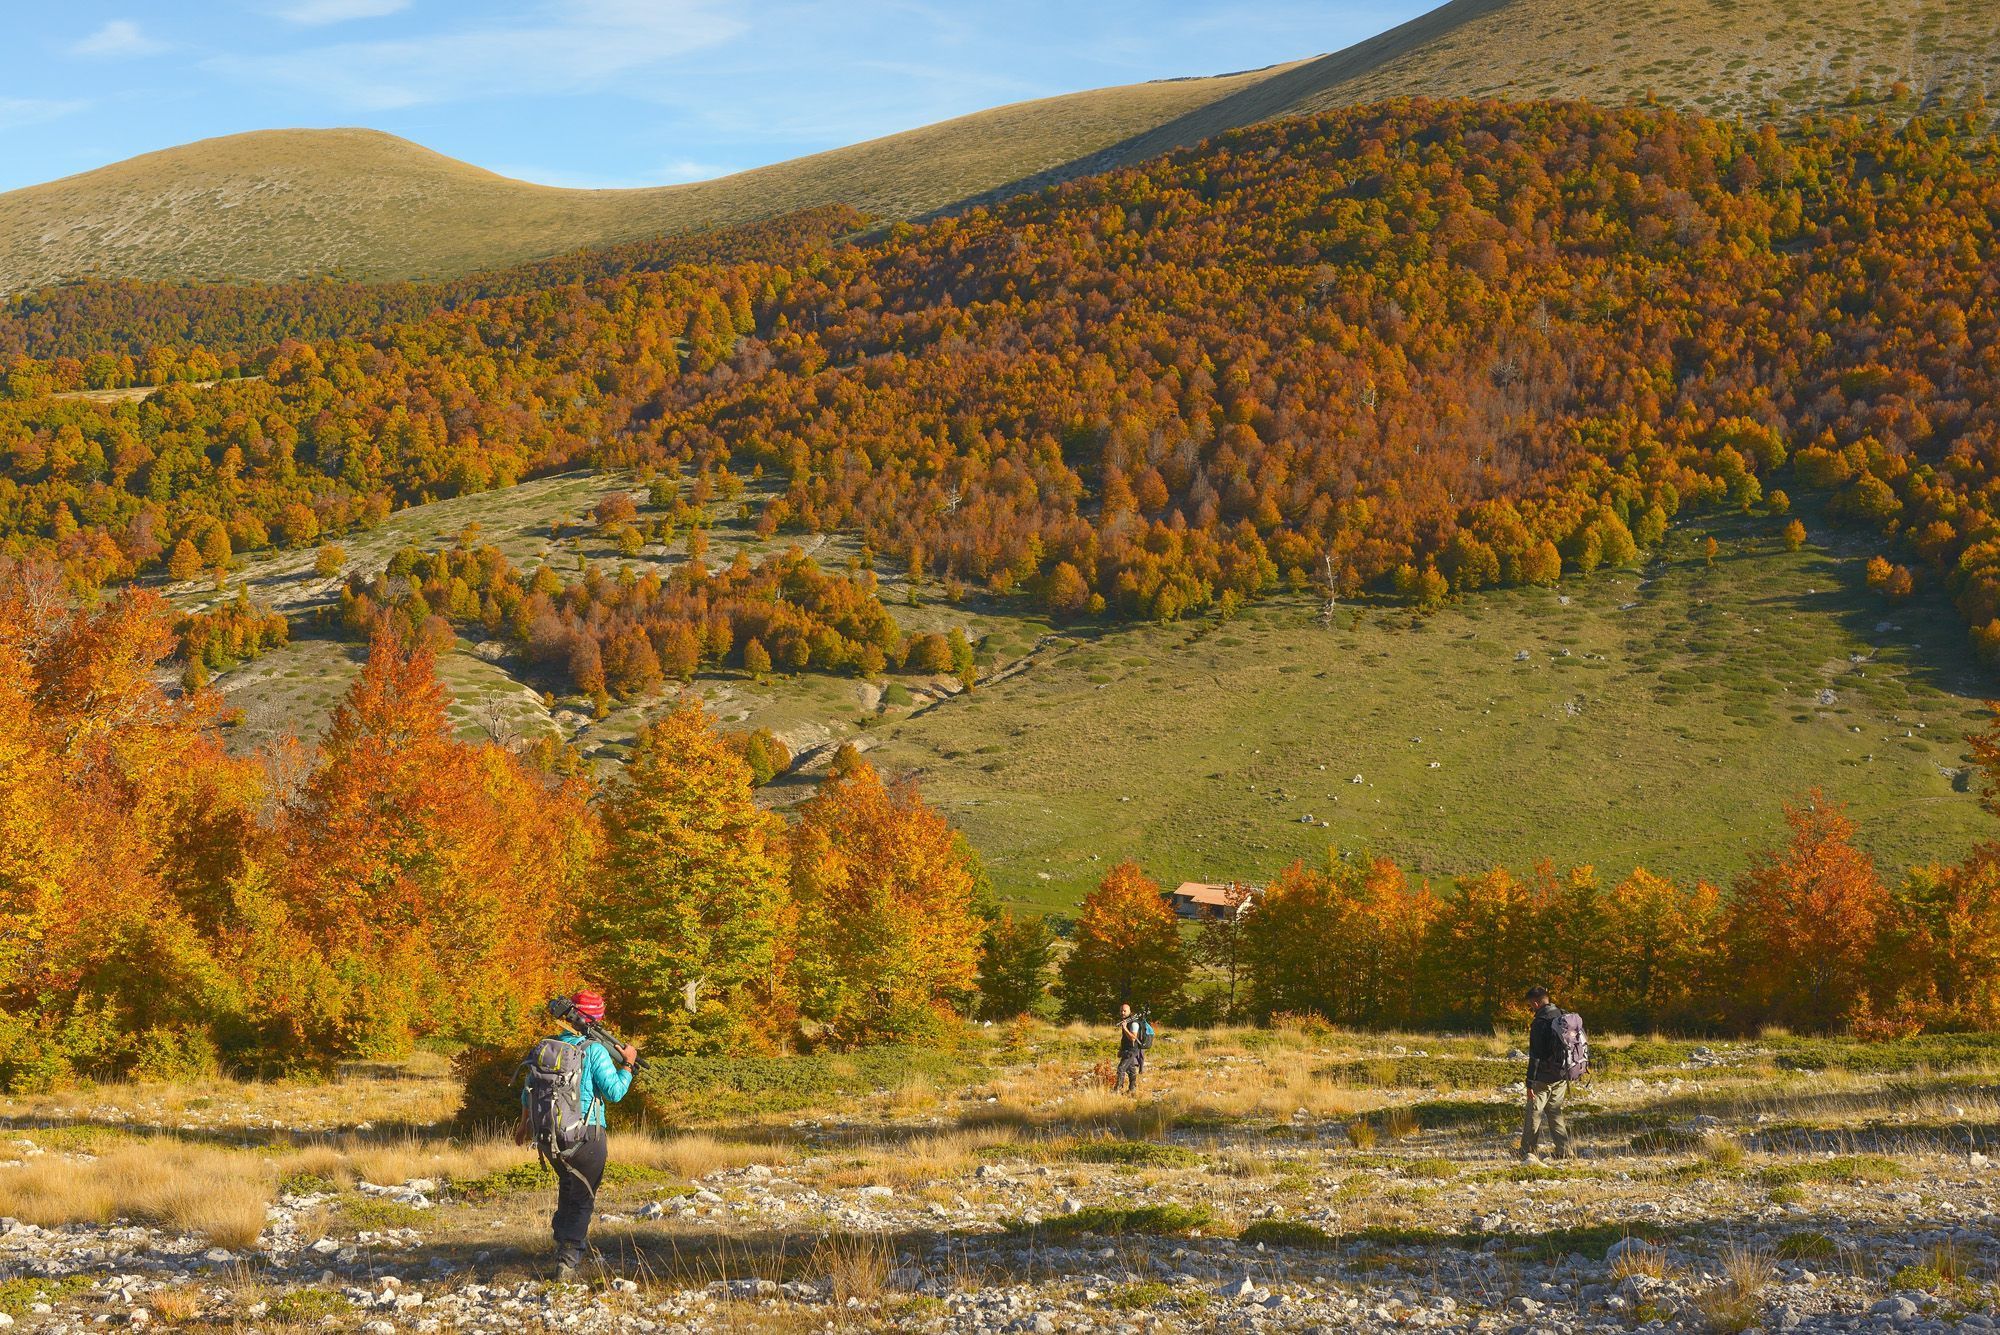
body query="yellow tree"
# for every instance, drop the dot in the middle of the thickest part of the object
(1396, 920)
(1482, 952)
(1658, 950)
(1945, 939)
(1301, 947)
(1126, 947)
(686, 912)
(887, 934)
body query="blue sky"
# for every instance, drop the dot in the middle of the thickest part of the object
(599, 92)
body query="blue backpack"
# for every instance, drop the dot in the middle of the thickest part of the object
(1145, 1033)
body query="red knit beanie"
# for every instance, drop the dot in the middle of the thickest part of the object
(590, 1003)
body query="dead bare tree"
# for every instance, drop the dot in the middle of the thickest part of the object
(492, 716)
(1328, 584)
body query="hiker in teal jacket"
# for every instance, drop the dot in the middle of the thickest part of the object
(603, 1081)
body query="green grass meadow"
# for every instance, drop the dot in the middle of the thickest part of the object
(1655, 718)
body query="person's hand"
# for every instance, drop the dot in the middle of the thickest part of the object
(630, 1054)
(521, 1130)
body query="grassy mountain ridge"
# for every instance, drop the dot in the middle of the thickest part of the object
(285, 203)
(278, 204)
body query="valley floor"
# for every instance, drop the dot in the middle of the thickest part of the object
(1265, 1180)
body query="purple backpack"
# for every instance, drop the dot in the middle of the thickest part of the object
(1575, 1047)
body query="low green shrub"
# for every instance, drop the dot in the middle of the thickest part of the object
(1852, 1169)
(1134, 1153)
(529, 1176)
(1928, 1052)
(1423, 1072)
(376, 1212)
(1810, 1245)
(1288, 1233)
(723, 1085)
(1159, 1220)
(307, 1184)
(17, 1295)
(1921, 1277)
(308, 1305)
(1136, 1297)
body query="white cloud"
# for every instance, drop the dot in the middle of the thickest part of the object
(18, 111)
(119, 37)
(316, 13)
(566, 46)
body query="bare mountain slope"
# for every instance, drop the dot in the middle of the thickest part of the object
(286, 203)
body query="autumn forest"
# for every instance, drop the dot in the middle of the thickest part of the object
(1390, 356)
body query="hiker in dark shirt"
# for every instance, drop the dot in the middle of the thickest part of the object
(1548, 1079)
(1131, 1053)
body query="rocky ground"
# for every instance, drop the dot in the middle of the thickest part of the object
(1284, 1182)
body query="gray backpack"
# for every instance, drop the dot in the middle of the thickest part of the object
(1575, 1047)
(553, 1073)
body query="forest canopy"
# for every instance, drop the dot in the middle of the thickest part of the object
(1419, 347)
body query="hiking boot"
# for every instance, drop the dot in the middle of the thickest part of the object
(565, 1272)
(1532, 1159)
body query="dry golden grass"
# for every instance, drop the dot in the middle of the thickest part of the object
(1648, 1262)
(1735, 1302)
(220, 1194)
(920, 1160)
(697, 1155)
(856, 1265)
(175, 1306)
(289, 203)
(421, 1092)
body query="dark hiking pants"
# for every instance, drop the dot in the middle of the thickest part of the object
(1545, 1113)
(576, 1195)
(1129, 1067)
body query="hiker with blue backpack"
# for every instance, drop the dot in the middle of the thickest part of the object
(1558, 1053)
(1135, 1035)
(566, 1081)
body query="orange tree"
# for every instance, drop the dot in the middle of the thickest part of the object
(120, 818)
(435, 875)
(1483, 947)
(887, 936)
(1126, 947)
(1804, 921)
(1941, 949)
